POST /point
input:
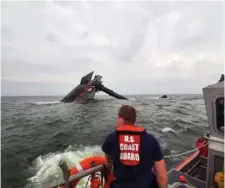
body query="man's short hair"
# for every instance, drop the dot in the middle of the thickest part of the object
(128, 114)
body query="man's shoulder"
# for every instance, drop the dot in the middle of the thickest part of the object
(151, 137)
(109, 142)
(111, 135)
(154, 147)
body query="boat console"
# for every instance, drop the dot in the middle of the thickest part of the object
(206, 172)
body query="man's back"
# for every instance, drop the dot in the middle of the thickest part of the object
(134, 176)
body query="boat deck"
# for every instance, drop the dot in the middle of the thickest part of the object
(174, 180)
(194, 172)
(197, 169)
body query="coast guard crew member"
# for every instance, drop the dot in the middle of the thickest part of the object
(134, 153)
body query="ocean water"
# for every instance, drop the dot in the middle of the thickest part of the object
(38, 132)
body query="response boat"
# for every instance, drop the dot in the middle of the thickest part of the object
(202, 169)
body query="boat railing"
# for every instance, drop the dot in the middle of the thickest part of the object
(214, 139)
(69, 179)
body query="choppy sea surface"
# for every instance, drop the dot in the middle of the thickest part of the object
(38, 132)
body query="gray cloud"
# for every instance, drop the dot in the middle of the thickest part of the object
(45, 44)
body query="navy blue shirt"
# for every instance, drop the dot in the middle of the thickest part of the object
(138, 176)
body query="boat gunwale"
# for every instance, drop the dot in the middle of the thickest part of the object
(188, 160)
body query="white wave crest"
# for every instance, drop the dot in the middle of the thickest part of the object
(168, 129)
(45, 102)
(47, 170)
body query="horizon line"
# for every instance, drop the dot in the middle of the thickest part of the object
(100, 95)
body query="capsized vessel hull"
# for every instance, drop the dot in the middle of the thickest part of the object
(87, 88)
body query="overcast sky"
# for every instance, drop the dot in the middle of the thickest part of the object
(138, 47)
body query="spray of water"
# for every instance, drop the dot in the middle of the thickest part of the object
(47, 171)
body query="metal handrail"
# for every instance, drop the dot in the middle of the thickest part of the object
(69, 179)
(214, 139)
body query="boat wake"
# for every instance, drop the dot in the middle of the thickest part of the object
(47, 171)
